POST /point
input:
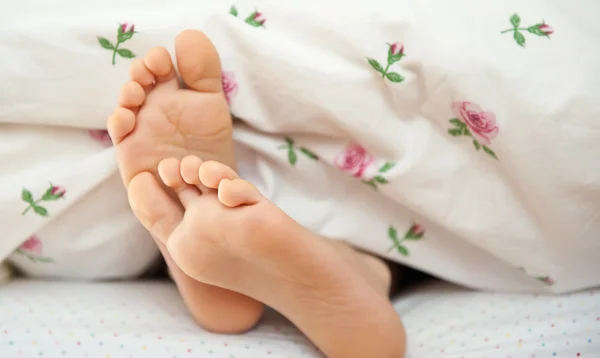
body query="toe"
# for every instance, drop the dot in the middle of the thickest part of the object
(198, 61)
(132, 95)
(140, 73)
(211, 173)
(153, 207)
(238, 192)
(158, 62)
(190, 167)
(169, 171)
(120, 124)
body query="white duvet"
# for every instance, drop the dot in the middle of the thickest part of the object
(460, 138)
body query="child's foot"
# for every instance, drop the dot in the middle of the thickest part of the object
(156, 119)
(240, 241)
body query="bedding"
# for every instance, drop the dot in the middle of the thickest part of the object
(149, 320)
(459, 138)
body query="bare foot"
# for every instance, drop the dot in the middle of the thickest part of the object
(157, 119)
(238, 240)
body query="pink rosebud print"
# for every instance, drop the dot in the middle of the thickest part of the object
(397, 49)
(127, 28)
(259, 18)
(229, 85)
(58, 191)
(547, 30)
(354, 160)
(32, 245)
(547, 280)
(101, 136)
(481, 124)
(417, 230)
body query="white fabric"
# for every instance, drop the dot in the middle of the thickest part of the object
(144, 320)
(528, 221)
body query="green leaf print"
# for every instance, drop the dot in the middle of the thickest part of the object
(476, 144)
(520, 38)
(375, 65)
(380, 179)
(233, 11)
(105, 43)
(125, 53)
(392, 233)
(455, 132)
(40, 210)
(292, 157)
(26, 196)
(386, 167)
(402, 250)
(308, 153)
(394, 77)
(458, 123)
(515, 20)
(490, 152)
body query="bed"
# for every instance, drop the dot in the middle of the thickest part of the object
(147, 319)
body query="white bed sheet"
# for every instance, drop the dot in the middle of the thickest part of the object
(149, 320)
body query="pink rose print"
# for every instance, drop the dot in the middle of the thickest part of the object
(229, 84)
(539, 29)
(32, 245)
(481, 124)
(414, 233)
(32, 249)
(101, 136)
(354, 160)
(472, 121)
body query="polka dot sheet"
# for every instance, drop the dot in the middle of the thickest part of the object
(149, 320)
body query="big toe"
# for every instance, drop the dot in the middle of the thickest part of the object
(198, 61)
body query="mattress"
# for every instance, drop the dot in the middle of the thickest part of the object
(148, 319)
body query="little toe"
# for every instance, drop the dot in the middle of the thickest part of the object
(198, 61)
(238, 192)
(120, 124)
(169, 171)
(211, 173)
(158, 62)
(159, 213)
(190, 167)
(132, 95)
(140, 73)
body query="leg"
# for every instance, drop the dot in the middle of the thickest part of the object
(238, 240)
